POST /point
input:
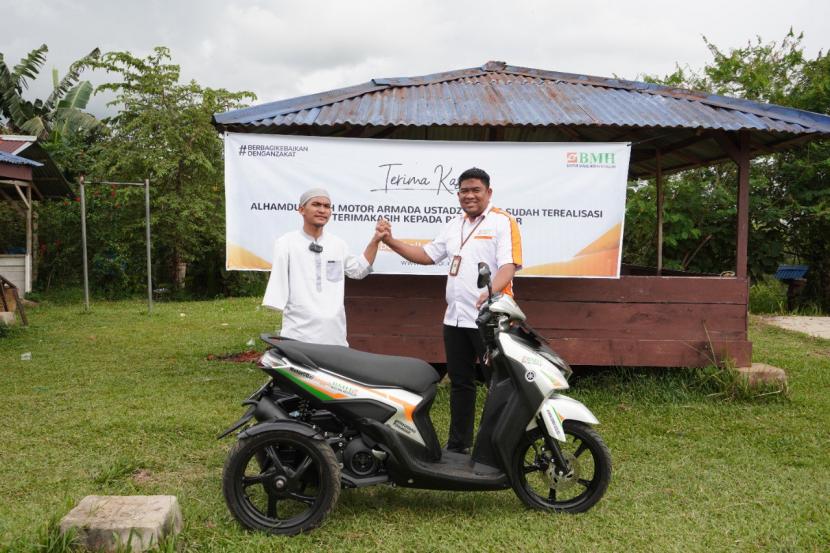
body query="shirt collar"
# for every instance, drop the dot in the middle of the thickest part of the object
(311, 238)
(465, 219)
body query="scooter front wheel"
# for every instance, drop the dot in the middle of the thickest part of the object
(540, 486)
(281, 482)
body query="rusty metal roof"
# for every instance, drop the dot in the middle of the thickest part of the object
(535, 105)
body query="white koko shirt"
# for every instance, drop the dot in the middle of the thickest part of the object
(308, 286)
(496, 241)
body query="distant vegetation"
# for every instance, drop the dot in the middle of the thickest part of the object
(162, 130)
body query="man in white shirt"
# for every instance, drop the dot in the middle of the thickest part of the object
(306, 281)
(481, 233)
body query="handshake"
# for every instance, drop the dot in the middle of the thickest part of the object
(383, 231)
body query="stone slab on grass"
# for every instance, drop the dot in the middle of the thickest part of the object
(761, 373)
(107, 522)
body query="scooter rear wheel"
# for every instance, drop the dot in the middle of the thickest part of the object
(281, 482)
(537, 483)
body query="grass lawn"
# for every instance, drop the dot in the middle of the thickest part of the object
(119, 402)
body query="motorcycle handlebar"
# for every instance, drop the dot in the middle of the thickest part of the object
(484, 317)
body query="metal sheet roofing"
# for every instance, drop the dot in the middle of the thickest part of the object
(791, 272)
(17, 160)
(48, 179)
(521, 101)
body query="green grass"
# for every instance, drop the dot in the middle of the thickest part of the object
(119, 402)
(768, 296)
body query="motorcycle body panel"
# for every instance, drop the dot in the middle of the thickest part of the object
(394, 407)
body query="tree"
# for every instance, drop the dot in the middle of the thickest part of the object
(163, 132)
(790, 192)
(61, 113)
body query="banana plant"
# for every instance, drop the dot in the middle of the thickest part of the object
(61, 113)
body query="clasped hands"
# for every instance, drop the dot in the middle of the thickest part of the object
(383, 231)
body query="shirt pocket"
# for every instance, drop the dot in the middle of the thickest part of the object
(334, 270)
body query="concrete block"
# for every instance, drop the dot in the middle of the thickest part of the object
(107, 522)
(761, 373)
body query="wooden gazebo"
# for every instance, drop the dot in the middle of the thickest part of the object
(650, 318)
(27, 173)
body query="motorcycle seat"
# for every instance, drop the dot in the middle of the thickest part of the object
(373, 369)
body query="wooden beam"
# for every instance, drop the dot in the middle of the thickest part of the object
(37, 191)
(569, 132)
(691, 161)
(354, 131)
(727, 144)
(14, 203)
(787, 144)
(679, 145)
(27, 203)
(743, 204)
(659, 182)
(384, 132)
(680, 168)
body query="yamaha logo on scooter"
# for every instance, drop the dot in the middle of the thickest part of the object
(530, 376)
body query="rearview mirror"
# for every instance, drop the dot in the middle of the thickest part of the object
(483, 275)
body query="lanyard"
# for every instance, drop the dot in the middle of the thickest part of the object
(464, 240)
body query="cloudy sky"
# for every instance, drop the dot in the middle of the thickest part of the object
(280, 49)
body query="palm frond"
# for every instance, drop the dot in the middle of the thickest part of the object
(35, 127)
(70, 120)
(71, 78)
(12, 106)
(77, 97)
(29, 67)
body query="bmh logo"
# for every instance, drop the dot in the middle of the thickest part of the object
(591, 160)
(270, 150)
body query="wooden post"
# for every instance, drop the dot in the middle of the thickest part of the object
(743, 205)
(659, 181)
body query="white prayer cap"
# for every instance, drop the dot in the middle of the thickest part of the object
(313, 193)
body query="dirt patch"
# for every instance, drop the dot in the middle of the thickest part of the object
(142, 476)
(814, 326)
(251, 356)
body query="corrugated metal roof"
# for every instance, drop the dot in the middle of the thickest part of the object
(791, 272)
(505, 95)
(17, 160)
(536, 105)
(48, 178)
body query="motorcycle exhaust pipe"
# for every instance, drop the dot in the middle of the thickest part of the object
(263, 410)
(266, 410)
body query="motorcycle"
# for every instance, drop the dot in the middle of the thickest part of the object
(330, 417)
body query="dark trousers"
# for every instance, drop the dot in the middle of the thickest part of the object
(465, 350)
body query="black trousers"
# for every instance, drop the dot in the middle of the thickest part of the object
(465, 352)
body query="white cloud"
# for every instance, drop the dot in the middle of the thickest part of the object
(280, 49)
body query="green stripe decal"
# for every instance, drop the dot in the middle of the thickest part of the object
(313, 391)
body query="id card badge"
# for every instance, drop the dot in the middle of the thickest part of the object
(455, 265)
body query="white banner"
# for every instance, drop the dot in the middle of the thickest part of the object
(569, 198)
